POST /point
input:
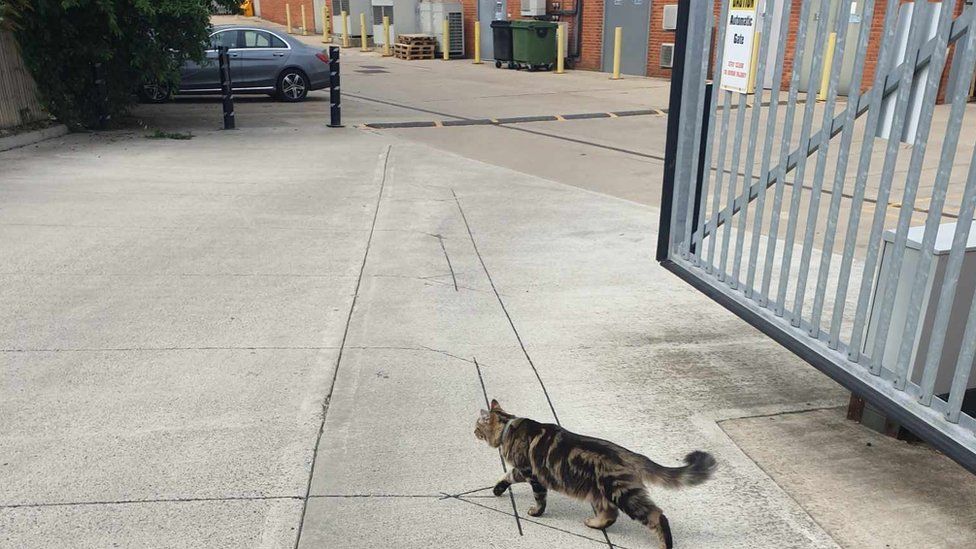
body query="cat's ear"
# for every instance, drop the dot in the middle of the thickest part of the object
(484, 414)
(495, 405)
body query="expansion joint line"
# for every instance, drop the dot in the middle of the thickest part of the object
(525, 352)
(504, 309)
(383, 168)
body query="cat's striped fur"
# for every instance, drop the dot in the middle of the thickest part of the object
(609, 476)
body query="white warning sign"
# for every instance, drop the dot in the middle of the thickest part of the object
(740, 29)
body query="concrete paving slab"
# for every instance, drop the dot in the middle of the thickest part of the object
(138, 425)
(265, 524)
(878, 479)
(121, 312)
(397, 422)
(428, 522)
(73, 250)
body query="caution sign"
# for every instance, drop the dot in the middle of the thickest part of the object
(740, 30)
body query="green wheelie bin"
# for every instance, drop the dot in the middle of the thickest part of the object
(534, 44)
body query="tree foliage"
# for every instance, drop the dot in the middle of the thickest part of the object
(134, 40)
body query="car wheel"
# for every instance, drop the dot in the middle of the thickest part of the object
(154, 92)
(292, 86)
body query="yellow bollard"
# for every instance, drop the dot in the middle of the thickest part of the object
(304, 22)
(446, 45)
(751, 85)
(477, 42)
(345, 29)
(829, 60)
(363, 37)
(560, 52)
(386, 36)
(288, 17)
(326, 25)
(618, 38)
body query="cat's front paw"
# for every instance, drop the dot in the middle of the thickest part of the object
(536, 510)
(500, 488)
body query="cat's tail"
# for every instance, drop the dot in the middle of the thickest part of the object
(698, 468)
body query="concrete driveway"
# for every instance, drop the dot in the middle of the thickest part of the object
(281, 337)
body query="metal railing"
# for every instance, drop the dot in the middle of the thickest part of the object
(861, 266)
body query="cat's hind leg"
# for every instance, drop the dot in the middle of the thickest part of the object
(638, 506)
(539, 492)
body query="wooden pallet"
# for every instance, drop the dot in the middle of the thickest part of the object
(416, 39)
(412, 52)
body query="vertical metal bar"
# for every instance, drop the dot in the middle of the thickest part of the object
(703, 172)
(335, 91)
(947, 294)
(907, 343)
(712, 110)
(840, 174)
(864, 163)
(698, 81)
(671, 143)
(719, 177)
(740, 118)
(787, 137)
(768, 147)
(227, 87)
(813, 211)
(753, 136)
(884, 191)
(688, 131)
(812, 84)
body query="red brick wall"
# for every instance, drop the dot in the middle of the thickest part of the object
(274, 10)
(657, 36)
(591, 53)
(944, 82)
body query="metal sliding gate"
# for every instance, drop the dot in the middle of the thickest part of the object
(840, 227)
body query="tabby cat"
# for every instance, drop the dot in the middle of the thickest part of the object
(610, 477)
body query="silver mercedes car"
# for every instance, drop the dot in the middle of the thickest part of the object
(262, 61)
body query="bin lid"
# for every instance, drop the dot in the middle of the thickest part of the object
(943, 237)
(498, 23)
(533, 24)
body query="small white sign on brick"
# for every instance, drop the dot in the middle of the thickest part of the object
(740, 29)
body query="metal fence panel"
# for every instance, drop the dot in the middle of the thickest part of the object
(888, 317)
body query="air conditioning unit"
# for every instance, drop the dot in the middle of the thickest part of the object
(671, 17)
(432, 16)
(667, 55)
(403, 19)
(532, 8)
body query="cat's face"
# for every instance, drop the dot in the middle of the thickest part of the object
(490, 425)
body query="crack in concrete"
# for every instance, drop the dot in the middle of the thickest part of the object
(504, 309)
(448, 258)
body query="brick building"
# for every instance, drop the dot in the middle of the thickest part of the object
(648, 31)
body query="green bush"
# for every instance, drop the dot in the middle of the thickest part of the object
(134, 40)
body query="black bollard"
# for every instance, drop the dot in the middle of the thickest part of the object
(101, 97)
(335, 109)
(225, 85)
